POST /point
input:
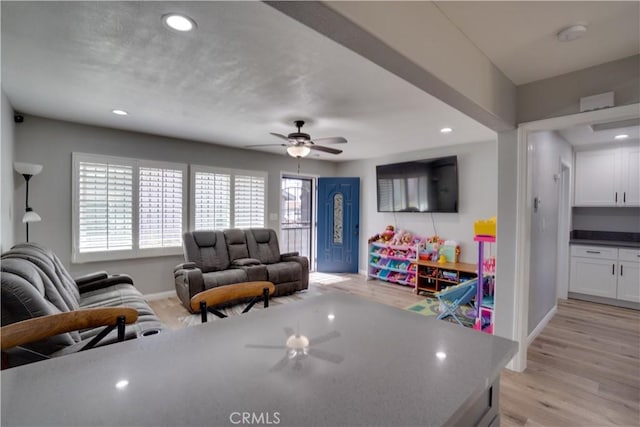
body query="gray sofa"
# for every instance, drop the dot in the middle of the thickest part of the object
(218, 258)
(35, 283)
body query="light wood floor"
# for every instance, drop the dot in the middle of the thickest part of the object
(582, 370)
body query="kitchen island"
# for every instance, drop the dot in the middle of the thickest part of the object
(329, 360)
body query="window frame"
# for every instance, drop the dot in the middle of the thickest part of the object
(232, 202)
(135, 252)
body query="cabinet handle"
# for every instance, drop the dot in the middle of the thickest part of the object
(621, 269)
(594, 252)
(613, 269)
(616, 197)
(624, 197)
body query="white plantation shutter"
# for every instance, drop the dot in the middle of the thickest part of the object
(212, 200)
(249, 200)
(160, 207)
(104, 206)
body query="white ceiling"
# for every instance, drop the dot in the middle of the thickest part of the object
(246, 71)
(520, 37)
(584, 135)
(249, 70)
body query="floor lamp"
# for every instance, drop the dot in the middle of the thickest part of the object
(27, 170)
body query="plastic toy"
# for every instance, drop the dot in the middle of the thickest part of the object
(388, 233)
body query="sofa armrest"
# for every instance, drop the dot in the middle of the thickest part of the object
(189, 281)
(91, 277)
(288, 255)
(185, 266)
(304, 265)
(38, 328)
(116, 279)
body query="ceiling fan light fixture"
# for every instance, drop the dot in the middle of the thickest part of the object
(298, 151)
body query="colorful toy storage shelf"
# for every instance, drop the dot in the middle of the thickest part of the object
(393, 263)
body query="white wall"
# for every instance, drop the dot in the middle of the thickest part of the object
(51, 142)
(548, 150)
(7, 176)
(478, 197)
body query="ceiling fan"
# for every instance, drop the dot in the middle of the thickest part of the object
(300, 144)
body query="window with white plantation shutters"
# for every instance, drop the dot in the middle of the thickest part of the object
(227, 198)
(212, 200)
(105, 205)
(160, 207)
(249, 201)
(126, 208)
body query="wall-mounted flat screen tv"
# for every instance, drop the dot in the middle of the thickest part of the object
(429, 185)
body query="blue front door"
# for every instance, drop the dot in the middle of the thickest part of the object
(338, 224)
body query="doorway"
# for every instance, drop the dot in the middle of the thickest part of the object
(296, 216)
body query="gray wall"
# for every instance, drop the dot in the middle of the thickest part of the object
(505, 303)
(606, 219)
(547, 150)
(478, 197)
(560, 96)
(6, 175)
(51, 142)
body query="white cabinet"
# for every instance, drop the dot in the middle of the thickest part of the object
(630, 176)
(608, 177)
(629, 275)
(605, 272)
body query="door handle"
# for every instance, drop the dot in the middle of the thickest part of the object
(616, 197)
(621, 269)
(613, 269)
(624, 197)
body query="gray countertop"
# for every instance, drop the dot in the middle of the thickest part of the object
(609, 243)
(366, 364)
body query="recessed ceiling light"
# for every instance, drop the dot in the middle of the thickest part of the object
(119, 112)
(446, 130)
(571, 33)
(178, 22)
(622, 136)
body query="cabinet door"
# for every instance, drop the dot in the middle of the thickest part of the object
(629, 281)
(630, 181)
(593, 276)
(596, 178)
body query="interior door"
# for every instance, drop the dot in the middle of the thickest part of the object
(338, 224)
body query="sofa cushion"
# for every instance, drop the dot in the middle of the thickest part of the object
(236, 244)
(284, 272)
(263, 245)
(221, 278)
(207, 249)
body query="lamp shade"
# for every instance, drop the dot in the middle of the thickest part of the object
(298, 151)
(31, 216)
(27, 168)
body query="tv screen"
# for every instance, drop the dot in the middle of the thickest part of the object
(429, 185)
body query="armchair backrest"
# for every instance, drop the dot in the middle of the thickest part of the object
(263, 245)
(207, 249)
(236, 244)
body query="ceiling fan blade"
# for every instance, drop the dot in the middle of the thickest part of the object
(288, 331)
(279, 135)
(324, 355)
(266, 145)
(331, 140)
(280, 364)
(324, 338)
(270, 347)
(325, 149)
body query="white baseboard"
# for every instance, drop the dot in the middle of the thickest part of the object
(160, 295)
(545, 320)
